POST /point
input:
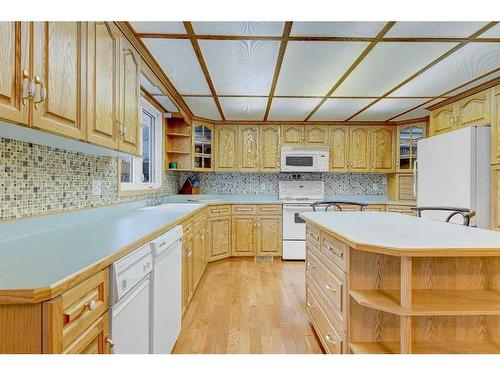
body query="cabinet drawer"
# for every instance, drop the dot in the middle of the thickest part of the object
(269, 209)
(331, 281)
(244, 209)
(333, 342)
(334, 250)
(401, 210)
(69, 315)
(215, 211)
(312, 236)
(93, 340)
(375, 208)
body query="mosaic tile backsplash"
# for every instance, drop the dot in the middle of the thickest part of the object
(38, 180)
(267, 183)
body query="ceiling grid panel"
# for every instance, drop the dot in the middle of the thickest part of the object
(199, 55)
(279, 61)
(427, 67)
(353, 66)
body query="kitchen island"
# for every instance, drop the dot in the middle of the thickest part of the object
(390, 283)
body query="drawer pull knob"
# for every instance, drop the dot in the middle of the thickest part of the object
(310, 305)
(110, 342)
(330, 288)
(311, 265)
(337, 252)
(91, 306)
(330, 338)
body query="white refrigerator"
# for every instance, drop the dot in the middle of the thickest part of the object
(453, 170)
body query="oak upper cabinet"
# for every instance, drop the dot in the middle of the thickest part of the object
(226, 139)
(443, 119)
(248, 155)
(269, 148)
(103, 76)
(14, 71)
(269, 237)
(129, 98)
(219, 237)
(338, 140)
(244, 235)
(474, 109)
(382, 152)
(359, 149)
(315, 135)
(292, 135)
(495, 129)
(59, 73)
(407, 145)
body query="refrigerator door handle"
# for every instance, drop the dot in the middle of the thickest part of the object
(415, 176)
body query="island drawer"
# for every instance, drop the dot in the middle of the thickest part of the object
(330, 279)
(69, 315)
(269, 209)
(334, 250)
(312, 236)
(332, 340)
(215, 211)
(244, 209)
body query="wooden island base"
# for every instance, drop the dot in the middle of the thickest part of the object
(365, 301)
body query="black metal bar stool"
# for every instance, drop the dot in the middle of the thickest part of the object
(328, 204)
(466, 213)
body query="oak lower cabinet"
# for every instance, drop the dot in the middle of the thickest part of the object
(93, 340)
(405, 210)
(495, 197)
(59, 75)
(199, 258)
(269, 237)
(495, 127)
(400, 187)
(187, 271)
(244, 235)
(219, 237)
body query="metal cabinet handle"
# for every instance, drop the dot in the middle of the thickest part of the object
(332, 249)
(110, 342)
(329, 338)
(91, 305)
(43, 91)
(312, 265)
(310, 305)
(28, 87)
(330, 288)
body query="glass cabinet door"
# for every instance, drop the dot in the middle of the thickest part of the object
(202, 142)
(408, 136)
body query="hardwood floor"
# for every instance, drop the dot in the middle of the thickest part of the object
(246, 307)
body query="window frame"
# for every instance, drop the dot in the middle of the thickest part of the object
(136, 186)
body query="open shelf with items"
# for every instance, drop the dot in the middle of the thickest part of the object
(408, 136)
(400, 304)
(203, 146)
(178, 144)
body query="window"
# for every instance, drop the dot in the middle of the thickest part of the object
(141, 173)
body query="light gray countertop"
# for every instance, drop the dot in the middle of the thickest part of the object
(40, 251)
(405, 235)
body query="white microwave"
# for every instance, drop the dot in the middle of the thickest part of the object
(304, 159)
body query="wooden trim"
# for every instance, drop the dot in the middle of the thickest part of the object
(413, 120)
(154, 67)
(277, 68)
(427, 67)
(353, 66)
(203, 65)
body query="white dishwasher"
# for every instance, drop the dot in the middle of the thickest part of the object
(167, 277)
(131, 303)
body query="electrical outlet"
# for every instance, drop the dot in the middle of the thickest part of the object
(96, 187)
(374, 186)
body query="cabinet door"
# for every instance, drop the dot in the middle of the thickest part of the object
(58, 62)
(103, 84)
(269, 235)
(130, 96)
(316, 135)
(269, 148)
(292, 135)
(474, 109)
(14, 54)
(226, 140)
(382, 149)
(248, 148)
(441, 119)
(220, 237)
(187, 272)
(93, 340)
(338, 140)
(359, 149)
(198, 254)
(243, 235)
(495, 128)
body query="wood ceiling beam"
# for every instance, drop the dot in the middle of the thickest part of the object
(277, 122)
(446, 96)
(277, 68)
(425, 68)
(311, 96)
(353, 66)
(204, 68)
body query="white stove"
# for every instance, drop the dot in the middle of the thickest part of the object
(297, 197)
